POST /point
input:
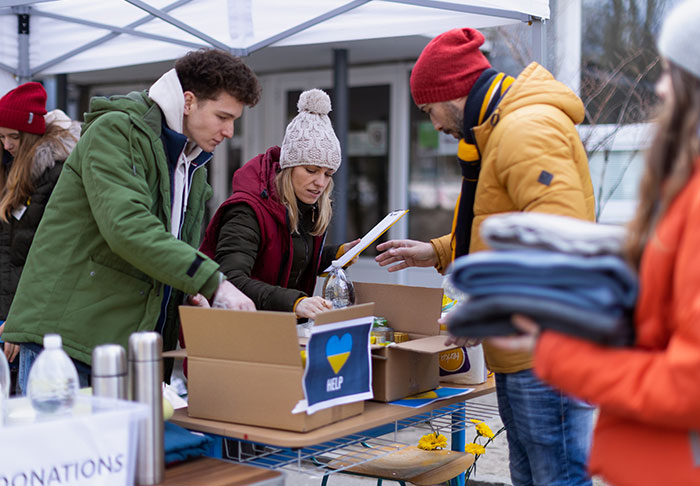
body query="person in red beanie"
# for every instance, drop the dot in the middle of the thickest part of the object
(519, 151)
(34, 146)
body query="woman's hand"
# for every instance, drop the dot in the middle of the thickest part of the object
(346, 247)
(523, 342)
(310, 306)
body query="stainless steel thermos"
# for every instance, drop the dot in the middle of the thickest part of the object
(109, 372)
(146, 376)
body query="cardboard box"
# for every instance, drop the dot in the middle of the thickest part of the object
(245, 367)
(410, 367)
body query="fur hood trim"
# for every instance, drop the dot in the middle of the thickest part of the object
(48, 153)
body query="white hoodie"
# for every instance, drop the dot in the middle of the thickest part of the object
(168, 95)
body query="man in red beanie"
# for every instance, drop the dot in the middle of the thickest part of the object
(519, 151)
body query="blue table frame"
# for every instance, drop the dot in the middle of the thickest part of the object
(287, 450)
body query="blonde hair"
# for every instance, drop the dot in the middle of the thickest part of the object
(287, 196)
(16, 184)
(670, 161)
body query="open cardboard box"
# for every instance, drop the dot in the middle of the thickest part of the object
(411, 367)
(245, 367)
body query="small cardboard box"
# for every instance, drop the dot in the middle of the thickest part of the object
(245, 367)
(410, 367)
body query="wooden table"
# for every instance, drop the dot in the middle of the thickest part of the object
(375, 415)
(205, 471)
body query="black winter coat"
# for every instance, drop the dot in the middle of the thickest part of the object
(17, 234)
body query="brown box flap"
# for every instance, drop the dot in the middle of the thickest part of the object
(338, 315)
(427, 345)
(406, 308)
(259, 337)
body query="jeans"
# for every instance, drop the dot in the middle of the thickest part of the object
(549, 434)
(27, 356)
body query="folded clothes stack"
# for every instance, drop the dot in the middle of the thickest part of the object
(515, 231)
(586, 291)
(181, 444)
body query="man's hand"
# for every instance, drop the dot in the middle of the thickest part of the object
(462, 341)
(198, 301)
(11, 351)
(402, 254)
(310, 306)
(227, 296)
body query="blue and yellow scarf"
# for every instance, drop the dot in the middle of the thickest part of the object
(483, 98)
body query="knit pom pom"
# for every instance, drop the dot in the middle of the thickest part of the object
(314, 101)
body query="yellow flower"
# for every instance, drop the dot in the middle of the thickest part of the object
(430, 442)
(476, 449)
(484, 430)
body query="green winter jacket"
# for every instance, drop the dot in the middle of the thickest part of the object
(103, 251)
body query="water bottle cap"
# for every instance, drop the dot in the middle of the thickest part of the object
(52, 341)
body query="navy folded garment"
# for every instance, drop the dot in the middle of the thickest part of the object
(491, 316)
(181, 444)
(590, 297)
(595, 283)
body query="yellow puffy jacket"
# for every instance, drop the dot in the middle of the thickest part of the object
(532, 159)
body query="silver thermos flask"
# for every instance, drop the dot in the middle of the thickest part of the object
(146, 376)
(109, 372)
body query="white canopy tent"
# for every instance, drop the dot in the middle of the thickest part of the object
(44, 37)
(41, 38)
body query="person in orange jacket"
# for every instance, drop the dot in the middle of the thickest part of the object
(648, 431)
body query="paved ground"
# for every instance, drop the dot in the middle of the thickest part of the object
(492, 467)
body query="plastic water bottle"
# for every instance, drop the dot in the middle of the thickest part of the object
(338, 288)
(53, 380)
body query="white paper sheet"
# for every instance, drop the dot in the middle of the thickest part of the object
(372, 235)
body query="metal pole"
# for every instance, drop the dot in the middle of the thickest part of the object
(23, 71)
(51, 92)
(341, 119)
(62, 92)
(539, 47)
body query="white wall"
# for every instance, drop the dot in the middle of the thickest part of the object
(7, 82)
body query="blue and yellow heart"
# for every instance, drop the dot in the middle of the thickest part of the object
(338, 351)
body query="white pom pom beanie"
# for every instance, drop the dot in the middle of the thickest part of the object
(309, 138)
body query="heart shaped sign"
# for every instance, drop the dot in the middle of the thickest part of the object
(338, 351)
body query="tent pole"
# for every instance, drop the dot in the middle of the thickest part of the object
(539, 46)
(23, 71)
(341, 118)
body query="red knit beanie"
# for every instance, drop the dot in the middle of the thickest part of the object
(24, 108)
(448, 67)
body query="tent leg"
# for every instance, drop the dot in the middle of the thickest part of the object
(341, 120)
(23, 16)
(539, 47)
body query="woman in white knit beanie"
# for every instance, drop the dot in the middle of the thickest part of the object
(269, 235)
